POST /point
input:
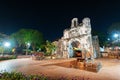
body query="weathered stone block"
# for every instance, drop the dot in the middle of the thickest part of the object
(80, 65)
(88, 64)
(94, 67)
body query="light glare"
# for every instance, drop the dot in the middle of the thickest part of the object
(115, 35)
(6, 44)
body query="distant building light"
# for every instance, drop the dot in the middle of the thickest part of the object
(108, 39)
(110, 48)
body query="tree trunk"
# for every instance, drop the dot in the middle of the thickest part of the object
(26, 50)
(33, 47)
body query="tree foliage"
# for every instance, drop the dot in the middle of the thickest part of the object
(101, 36)
(24, 36)
(114, 28)
(50, 47)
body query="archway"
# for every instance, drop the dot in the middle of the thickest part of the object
(72, 47)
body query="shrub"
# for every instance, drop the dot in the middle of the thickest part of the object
(20, 76)
(7, 57)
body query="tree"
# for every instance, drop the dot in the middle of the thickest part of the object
(115, 27)
(101, 36)
(112, 30)
(50, 47)
(27, 38)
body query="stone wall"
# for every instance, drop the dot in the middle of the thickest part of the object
(96, 47)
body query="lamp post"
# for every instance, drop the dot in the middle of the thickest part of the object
(6, 45)
(117, 41)
(116, 36)
(27, 47)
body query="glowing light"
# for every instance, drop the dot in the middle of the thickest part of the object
(115, 35)
(110, 48)
(108, 39)
(28, 44)
(6, 44)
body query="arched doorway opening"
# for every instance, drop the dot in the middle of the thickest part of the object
(73, 48)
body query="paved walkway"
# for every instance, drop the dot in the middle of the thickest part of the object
(109, 71)
(14, 64)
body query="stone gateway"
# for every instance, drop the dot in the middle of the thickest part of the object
(76, 39)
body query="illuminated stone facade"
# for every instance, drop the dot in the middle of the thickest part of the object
(96, 47)
(78, 36)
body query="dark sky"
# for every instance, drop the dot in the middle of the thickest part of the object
(52, 17)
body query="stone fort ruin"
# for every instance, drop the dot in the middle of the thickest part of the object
(77, 38)
(78, 42)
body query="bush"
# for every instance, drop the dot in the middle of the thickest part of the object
(7, 57)
(20, 76)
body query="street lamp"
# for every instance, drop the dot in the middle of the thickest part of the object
(27, 47)
(116, 35)
(117, 40)
(7, 44)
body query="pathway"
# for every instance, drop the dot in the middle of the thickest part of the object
(109, 71)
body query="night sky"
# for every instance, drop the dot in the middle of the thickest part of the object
(52, 17)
